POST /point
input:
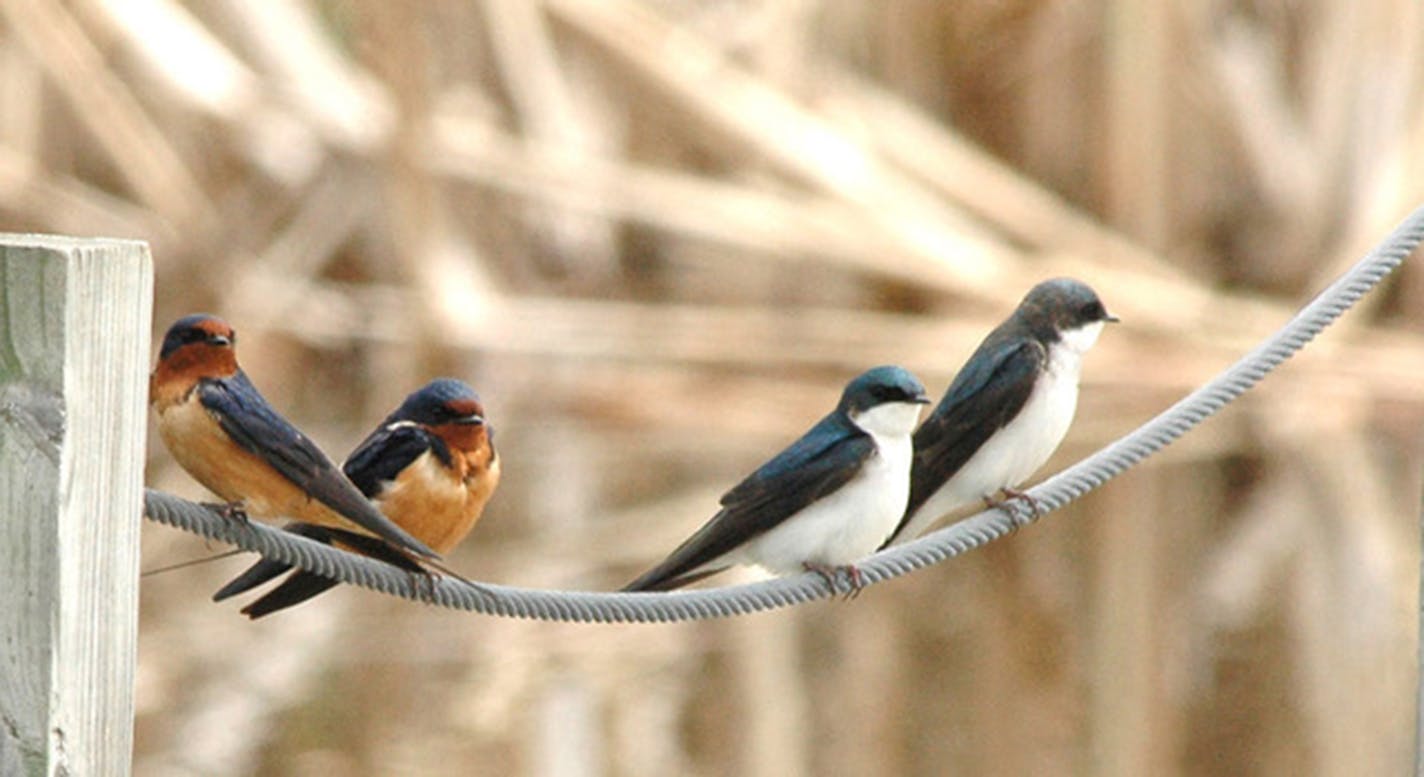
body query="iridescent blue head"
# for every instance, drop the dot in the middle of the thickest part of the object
(441, 402)
(881, 386)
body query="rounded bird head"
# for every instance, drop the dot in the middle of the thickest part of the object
(442, 401)
(885, 400)
(199, 345)
(1064, 306)
(449, 408)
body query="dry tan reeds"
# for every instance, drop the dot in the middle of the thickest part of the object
(658, 236)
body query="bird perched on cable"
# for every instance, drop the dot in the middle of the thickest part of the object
(827, 500)
(430, 466)
(1007, 409)
(222, 431)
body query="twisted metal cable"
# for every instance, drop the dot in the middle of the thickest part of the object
(933, 548)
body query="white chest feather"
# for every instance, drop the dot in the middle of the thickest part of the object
(852, 522)
(1017, 450)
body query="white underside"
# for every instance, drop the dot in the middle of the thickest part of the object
(1017, 450)
(852, 522)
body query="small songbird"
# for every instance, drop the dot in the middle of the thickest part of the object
(221, 430)
(430, 467)
(827, 500)
(1007, 409)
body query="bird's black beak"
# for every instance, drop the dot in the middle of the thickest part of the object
(474, 419)
(219, 340)
(921, 399)
(1111, 319)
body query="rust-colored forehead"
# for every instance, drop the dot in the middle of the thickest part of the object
(463, 438)
(196, 327)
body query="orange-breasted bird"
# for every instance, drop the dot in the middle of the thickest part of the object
(221, 430)
(430, 466)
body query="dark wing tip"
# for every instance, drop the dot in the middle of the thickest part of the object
(652, 580)
(658, 580)
(298, 588)
(266, 569)
(255, 575)
(649, 582)
(337, 492)
(303, 585)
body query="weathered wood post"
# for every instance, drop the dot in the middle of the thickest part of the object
(74, 339)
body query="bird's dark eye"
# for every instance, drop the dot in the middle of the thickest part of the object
(1092, 311)
(890, 394)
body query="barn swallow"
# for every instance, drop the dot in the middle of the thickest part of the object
(221, 430)
(1007, 409)
(827, 500)
(430, 467)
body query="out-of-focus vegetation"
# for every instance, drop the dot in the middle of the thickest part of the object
(658, 237)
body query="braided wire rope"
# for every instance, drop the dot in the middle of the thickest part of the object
(951, 541)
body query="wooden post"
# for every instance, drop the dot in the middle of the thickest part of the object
(74, 340)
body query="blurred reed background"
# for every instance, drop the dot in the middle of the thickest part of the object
(658, 237)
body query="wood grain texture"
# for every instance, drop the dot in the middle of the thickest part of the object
(74, 340)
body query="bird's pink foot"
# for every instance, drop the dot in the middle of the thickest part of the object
(831, 574)
(1008, 503)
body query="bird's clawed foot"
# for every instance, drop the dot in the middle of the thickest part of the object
(423, 583)
(832, 575)
(431, 572)
(233, 511)
(1009, 500)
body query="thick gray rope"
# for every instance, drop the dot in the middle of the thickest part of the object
(930, 549)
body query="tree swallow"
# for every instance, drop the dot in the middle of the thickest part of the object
(829, 499)
(1007, 409)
